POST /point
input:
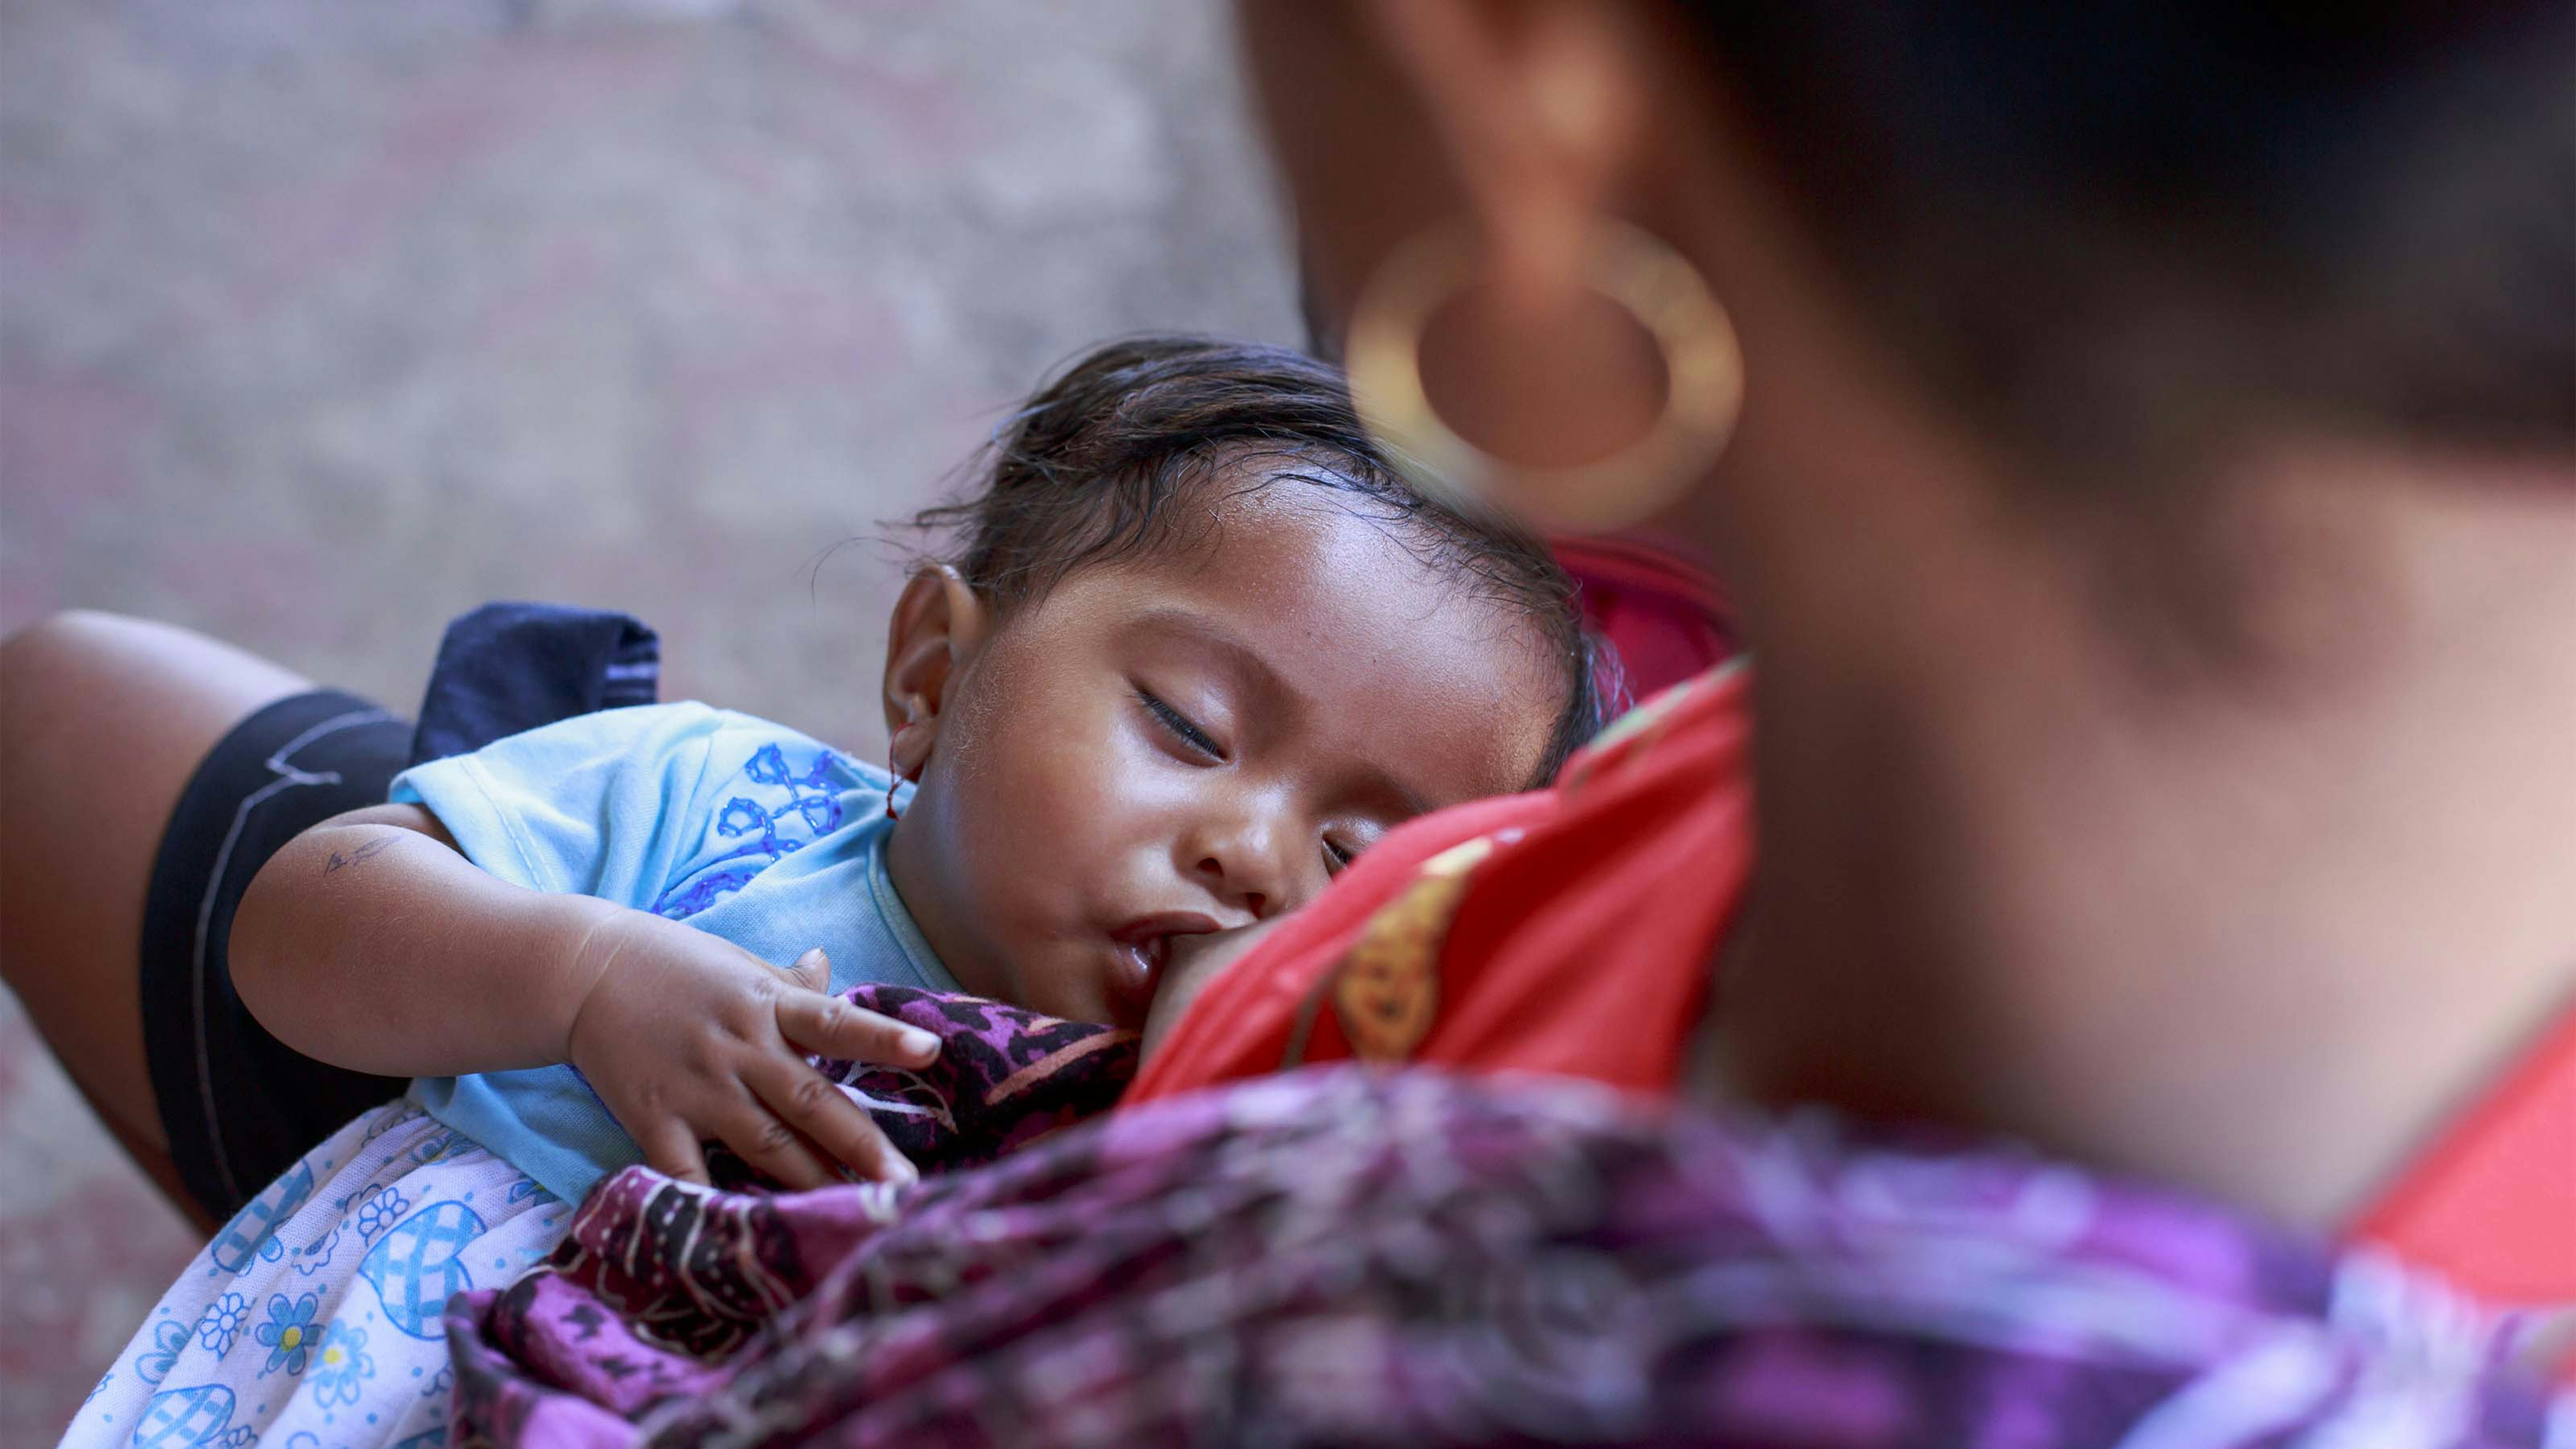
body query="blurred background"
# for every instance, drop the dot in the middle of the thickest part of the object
(322, 323)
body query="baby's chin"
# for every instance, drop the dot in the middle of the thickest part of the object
(1082, 982)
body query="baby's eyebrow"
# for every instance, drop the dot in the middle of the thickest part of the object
(1405, 795)
(1264, 684)
(1251, 670)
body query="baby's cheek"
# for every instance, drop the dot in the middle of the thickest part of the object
(1037, 792)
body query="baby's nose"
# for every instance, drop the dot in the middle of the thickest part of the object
(1255, 903)
(1244, 865)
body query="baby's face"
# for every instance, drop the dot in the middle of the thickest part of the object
(1199, 740)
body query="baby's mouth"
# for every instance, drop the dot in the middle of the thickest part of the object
(1147, 955)
(1143, 947)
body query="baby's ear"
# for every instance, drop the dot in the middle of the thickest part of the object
(937, 626)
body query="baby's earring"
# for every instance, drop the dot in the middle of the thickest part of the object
(896, 774)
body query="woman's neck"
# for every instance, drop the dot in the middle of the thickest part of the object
(2255, 928)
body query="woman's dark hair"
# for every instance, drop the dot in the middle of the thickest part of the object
(1108, 461)
(2100, 228)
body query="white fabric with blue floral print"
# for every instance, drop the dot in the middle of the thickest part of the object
(313, 1317)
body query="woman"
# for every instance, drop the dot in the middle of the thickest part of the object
(2151, 509)
(2157, 558)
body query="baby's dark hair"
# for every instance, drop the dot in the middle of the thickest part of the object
(1102, 465)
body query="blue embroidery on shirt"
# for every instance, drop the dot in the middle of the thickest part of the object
(811, 799)
(705, 891)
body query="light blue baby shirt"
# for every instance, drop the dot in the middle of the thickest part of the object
(745, 829)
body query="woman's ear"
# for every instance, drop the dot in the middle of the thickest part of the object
(937, 627)
(1526, 121)
(1523, 128)
(1539, 110)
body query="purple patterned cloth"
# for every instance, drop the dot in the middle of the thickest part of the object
(1349, 1256)
(1004, 1078)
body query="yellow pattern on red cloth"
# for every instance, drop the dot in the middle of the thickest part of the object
(1386, 992)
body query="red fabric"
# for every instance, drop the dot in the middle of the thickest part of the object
(2493, 1204)
(1581, 945)
(1665, 615)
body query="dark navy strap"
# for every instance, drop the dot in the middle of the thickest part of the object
(507, 668)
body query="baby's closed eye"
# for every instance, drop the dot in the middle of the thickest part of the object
(1181, 727)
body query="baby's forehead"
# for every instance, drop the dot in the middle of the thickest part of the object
(1312, 557)
(1243, 526)
(1337, 612)
(1245, 493)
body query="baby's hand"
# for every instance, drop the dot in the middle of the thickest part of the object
(688, 1037)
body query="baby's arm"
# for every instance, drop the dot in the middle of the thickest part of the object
(370, 942)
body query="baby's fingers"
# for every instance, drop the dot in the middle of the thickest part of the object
(813, 971)
(671, 1149)
(810, 1102)
(827, 1026)
(768, 1142)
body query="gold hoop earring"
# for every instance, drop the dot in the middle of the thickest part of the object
(1703, 387)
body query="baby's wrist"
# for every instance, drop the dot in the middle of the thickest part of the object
(581, 936)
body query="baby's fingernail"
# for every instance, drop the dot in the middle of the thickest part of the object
(900, 1172)
(812, 958)
(918, 1043)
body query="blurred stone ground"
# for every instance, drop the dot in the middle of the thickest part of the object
(320, 323)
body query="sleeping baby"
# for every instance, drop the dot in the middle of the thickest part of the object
(1196, 648)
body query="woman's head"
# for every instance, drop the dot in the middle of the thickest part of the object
(2094, 241)
(2151, 511)
(2120, 227)
(1196, 646)
(2096, 270)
